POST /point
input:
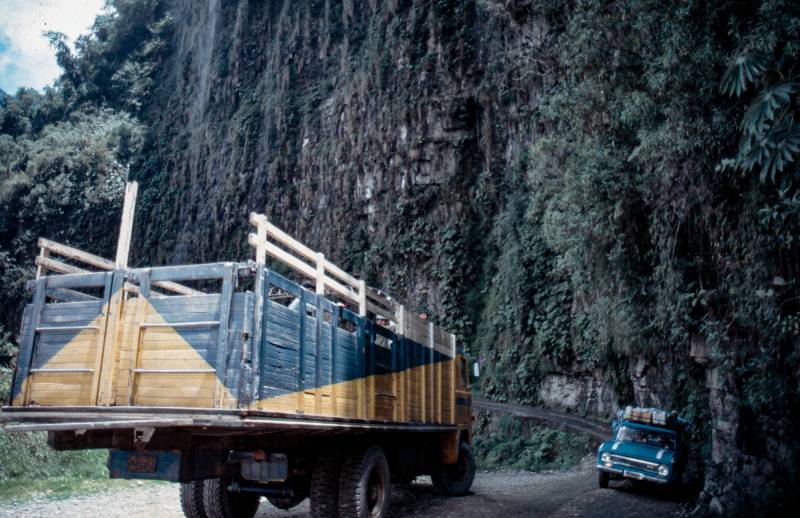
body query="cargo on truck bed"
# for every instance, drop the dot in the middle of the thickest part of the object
(240, 382)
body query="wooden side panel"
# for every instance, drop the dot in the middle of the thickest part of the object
(63, 360)
(281, 368)
(158, 340)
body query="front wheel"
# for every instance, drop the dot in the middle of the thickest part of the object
(603, 477)
(455, 479)
(365, 487)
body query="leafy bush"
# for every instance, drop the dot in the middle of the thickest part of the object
(514, 443)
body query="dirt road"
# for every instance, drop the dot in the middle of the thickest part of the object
(502, 494)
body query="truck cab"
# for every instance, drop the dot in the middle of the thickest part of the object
(646, 445)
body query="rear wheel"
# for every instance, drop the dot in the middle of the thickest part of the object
(192, 499)
(455, 479)
(365, 487)
(603, 477)
(221, 503)
(325, 487)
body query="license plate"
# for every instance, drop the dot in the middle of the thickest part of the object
(632, 474)
(142, 463)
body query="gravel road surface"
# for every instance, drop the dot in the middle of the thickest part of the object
(501, 494)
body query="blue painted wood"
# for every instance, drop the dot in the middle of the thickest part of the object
(226, 297)
(320, 341)
(301, 340)
(77, 280)
(192, 272)
(252, 357)
(26, 347)
(333, 333)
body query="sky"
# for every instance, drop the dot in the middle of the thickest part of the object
(26, 58)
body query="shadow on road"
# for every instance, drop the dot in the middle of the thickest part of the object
(680, 494)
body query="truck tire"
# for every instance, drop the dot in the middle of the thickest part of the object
(365, 487)
(324, 491)
(455, 479)
(221, 503)
(602, 478)
(192, 499)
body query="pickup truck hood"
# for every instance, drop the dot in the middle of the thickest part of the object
(638, 451)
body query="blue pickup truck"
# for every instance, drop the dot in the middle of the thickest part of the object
(646, 444)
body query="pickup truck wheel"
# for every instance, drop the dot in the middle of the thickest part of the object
(455, 479)
(603, 477)
(325, 487)
(192, 499)
(365, 488)
(221, 503)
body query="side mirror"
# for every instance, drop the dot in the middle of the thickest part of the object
(476, 370)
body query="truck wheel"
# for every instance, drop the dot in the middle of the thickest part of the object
(603, 477)
(192, 499)
(285, 502)
(365, 488)
(455, 479)
(325, 487)
(221, 503)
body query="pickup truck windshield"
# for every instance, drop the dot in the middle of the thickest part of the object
(660, 440)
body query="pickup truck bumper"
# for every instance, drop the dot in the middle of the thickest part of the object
(633, 475)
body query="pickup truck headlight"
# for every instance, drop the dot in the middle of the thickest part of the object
(605, 457)
(663, 470)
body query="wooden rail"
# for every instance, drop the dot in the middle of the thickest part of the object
(272, 241)
(269, 240)
(45, 262)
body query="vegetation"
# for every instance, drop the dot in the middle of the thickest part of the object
(657, 207)
(30, 465)
(514, 443)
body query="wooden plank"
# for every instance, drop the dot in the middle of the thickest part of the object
(188, 272)
(141, 308)
(26, 355)
(126, 224)
(82, 280)
(74, 253)
(226, 297)
(44, 253)
(108, 291)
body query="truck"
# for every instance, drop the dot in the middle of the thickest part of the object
(647, 444)
(240, 382)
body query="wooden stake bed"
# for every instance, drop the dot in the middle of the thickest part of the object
(187, 347)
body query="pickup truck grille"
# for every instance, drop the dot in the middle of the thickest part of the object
(634, 463)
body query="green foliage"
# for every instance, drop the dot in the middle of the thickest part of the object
(64, 182)
(770, 128)
(512, 443)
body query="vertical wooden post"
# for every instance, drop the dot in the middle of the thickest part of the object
(436, 393)
(44, 253)
(362, 298)
(453, 379)
(400, 371)
(110, 340)
(361, 384)
(126, 225)
(320, 274)
(260, 222)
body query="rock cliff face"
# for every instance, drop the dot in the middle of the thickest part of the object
(386, 134)
(356, 126)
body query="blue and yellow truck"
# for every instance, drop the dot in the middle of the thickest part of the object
(239, 382)
(647, 444)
